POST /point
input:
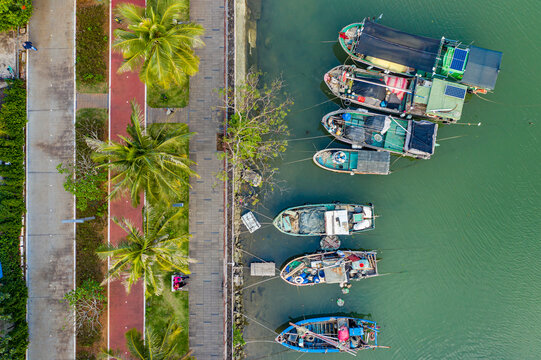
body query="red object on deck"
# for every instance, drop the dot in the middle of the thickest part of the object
(361, 98)
(126, 311)
(343, 35)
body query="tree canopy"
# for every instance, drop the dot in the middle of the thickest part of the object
(152, 160)
(157, 42)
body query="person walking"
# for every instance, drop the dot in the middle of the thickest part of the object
(28, 46)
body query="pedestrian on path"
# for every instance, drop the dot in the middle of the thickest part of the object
(28, 46)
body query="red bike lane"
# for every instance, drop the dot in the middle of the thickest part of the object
(126, 311)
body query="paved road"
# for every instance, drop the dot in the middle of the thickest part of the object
(50, 244)
(126, 311)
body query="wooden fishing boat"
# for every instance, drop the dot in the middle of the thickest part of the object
(354, 161)
(325, 219)
(334, 267)
(330, 334)
(406, 54)
(382, 132)
(434, 99)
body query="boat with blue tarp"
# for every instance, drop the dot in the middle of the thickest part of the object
(347, 161)
(325, 219)
(362, 129)
(333, 267)
(406, 54)
(433, 99)
(331, 334)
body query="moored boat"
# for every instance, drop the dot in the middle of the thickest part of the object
(434, 99)
(330, 334)
(382, 132)
(334, 267)
(406, 54)
(353, 162)
(325, 219)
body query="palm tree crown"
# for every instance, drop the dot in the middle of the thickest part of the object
(141, 252)
(153, 160)
(156, 43)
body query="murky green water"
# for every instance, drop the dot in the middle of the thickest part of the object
(459, 234)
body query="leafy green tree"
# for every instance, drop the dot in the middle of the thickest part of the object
(152, 160)
(157, 42)
(141, 253)
(14, 13)
(85, 183)
(87, 302)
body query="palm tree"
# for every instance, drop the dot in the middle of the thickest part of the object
(154, 346)
(152, 160)
(157, 247)
(156, 43)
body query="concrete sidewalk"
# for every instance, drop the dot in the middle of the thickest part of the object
(50, 245)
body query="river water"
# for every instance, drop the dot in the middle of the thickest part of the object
(458, 234)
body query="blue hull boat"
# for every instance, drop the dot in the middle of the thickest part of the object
(330, 334)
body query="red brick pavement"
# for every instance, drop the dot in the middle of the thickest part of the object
(126, 311)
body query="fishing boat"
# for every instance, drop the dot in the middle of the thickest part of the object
(330, 334)
(362, 129)
(434, 99)
(406, 54)
(334, 267)
(325, 219)
(353, 161)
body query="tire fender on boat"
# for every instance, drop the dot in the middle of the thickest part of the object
(309, 338)
(298, 280)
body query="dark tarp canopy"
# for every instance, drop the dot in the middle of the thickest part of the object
(368, 88)
(422, 136)
(382, 42)
(482, 68)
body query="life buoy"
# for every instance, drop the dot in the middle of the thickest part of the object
(372, 336)
(309, 338)
(298, 280)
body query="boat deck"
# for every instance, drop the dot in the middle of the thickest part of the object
(357, 161)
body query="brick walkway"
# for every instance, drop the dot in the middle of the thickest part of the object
(206, 195)
(125, 311)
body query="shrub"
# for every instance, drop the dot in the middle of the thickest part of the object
(14, 342)
(92, 43)
(14, 13)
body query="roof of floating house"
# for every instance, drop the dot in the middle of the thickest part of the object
(482, 68)
(383, 42)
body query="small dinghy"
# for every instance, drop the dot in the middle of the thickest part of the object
(330, 334)
(325, 219)
(353, 161)
(395, 51)
(411, 138)
(335, 267)
(434, 99)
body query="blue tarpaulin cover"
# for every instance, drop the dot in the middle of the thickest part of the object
(482, 68)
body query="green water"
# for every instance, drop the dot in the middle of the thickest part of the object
(459, 233)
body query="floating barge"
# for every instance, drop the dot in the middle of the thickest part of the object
(325, 219)
(330, 335)
(406, 54)
(335, 267)
(434, 99)
(411, 138)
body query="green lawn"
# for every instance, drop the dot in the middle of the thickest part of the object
(174, 97)
(172, 305)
